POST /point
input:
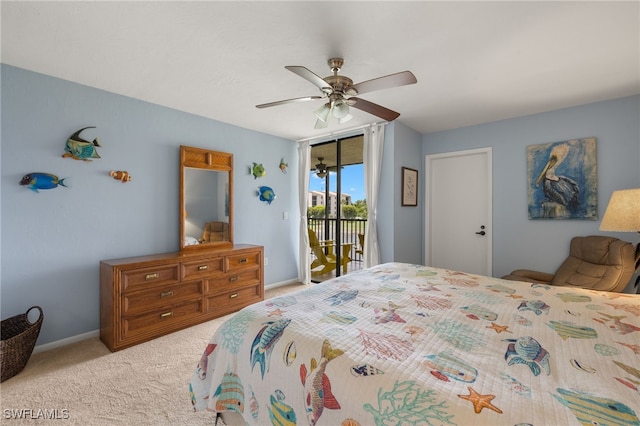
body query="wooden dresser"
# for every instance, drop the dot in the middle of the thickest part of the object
(145, 297)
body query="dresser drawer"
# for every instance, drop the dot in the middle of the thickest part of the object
(145, 300)
(162, 318)
(223, 304)
(145, 297)
(202, 268)
(240, 261)
(231, 281)
(134, 279)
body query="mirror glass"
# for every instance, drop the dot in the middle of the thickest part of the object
(205, 197)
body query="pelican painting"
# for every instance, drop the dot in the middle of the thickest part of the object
(562, 180)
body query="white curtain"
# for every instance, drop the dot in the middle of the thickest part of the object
(304, 159)
(372, 156)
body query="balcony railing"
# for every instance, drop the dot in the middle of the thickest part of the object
(325, 229)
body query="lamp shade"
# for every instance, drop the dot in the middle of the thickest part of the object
(323, 112)
(340, 109)
(623, 212)
(345, 118)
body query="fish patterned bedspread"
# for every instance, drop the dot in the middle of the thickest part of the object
(401, 344)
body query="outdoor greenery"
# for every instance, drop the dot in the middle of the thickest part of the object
(316, 212)
(361, 208)
(357, 210)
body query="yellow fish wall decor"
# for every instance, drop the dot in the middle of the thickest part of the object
(283, 166)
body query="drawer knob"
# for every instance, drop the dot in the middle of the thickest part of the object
(243, 260)
(166, 294)
(233, 279)
(153, 276)
(203, 267)
(166, 315)
(233, 295)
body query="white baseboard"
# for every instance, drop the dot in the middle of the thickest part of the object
(96, 333)
(282, 283)
(67, 341)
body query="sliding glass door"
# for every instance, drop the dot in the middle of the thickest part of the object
(337, 207)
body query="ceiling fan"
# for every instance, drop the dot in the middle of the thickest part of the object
(341, 93)
(321, 168)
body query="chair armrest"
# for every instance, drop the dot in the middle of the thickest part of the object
(536, 276)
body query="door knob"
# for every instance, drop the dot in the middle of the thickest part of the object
(481, 233)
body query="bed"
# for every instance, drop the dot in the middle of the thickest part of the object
(410, 344)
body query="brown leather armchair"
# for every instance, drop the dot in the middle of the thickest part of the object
(595, 262)
(215, 231)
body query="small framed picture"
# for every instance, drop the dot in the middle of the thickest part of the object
(409, 187)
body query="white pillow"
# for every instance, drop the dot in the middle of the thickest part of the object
(190, 241)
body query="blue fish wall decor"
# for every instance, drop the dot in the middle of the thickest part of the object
(37, 180)
(81, 149)
(266, 194)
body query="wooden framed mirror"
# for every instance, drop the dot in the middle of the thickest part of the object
(206, 199)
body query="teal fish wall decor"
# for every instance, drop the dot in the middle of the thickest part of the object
(36, 181)
(257, 170)
(81, 149)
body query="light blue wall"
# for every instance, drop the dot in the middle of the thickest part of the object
(385, 212)
(52, 241)
(400, 228)
(543, 244)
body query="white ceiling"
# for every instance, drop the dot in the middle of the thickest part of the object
(475, 62)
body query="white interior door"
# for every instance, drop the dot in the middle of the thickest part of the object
(458, 211)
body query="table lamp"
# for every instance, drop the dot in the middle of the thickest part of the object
(623, 215)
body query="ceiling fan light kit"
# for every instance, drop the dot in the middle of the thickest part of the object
(321, 168)
(340, 91)
(340, 109)
(323, 112)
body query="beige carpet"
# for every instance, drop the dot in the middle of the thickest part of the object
(85, 384)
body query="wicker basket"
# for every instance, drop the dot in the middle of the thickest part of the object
(19, 337)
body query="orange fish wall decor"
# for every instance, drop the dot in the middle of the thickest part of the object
(120, 175)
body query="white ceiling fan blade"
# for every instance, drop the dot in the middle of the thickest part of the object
(311, 77)
(288, 101)
(393, 80)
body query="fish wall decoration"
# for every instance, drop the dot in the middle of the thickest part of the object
(120, 175)
(37, 180)
(266, 194)
(283, 166)
(257, 170)
(79, 148)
